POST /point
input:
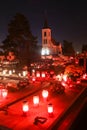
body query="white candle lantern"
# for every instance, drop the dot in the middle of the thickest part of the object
(4, 93)
(36, 100)
(50, 110)
(25, 107)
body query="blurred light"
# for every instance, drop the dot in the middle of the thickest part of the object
(24, 73)
(78, 81)
(33, 72)
(84, 76)
(13, 71)
(10, 72)
(4, 72)
(38, 74)
(43, 74)
(65, 78)
(63, 83)
(59, 77)
(33, 79)
(45, 51)
(19, 74)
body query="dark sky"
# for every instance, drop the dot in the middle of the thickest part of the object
(67, 19)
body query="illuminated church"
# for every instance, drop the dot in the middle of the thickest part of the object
(49, 46)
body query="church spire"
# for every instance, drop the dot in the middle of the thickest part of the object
(45, 24)
(45, 21)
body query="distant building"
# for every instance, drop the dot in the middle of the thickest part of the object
(49, 46)
(2, 56)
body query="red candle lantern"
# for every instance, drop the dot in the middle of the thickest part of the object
(50, 109)
(84, 76)
(38, 74)
(33, 73)
(33, 79)
(25, 107)
(45, 94)
(43, 74)
(36, 100)
(4, 93)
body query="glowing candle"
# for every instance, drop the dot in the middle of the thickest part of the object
(13, 71)
(19, 74)
(10, 72)
(25, 107)
(4, 93)
(36, 100)
(37, 74)
(33, 72)
(43, 75)
(24, 73)
(50, 110)
(45, 94)
(33, 79)
(4, 72)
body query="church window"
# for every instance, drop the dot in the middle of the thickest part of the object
(44, 34)
(45, 41)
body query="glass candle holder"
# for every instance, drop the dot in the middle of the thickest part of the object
(50, 109)
(4, 93)
(43, 74)
(45, 94)
(38, 74)
(25, 107)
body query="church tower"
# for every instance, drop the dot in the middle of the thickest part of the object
(46, 39)
(49, 46)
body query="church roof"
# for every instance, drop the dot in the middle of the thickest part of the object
(55, 42)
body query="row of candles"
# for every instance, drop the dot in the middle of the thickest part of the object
(25, 106)
(24, 73)
(10, 72)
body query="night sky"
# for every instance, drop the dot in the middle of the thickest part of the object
(67, 19)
